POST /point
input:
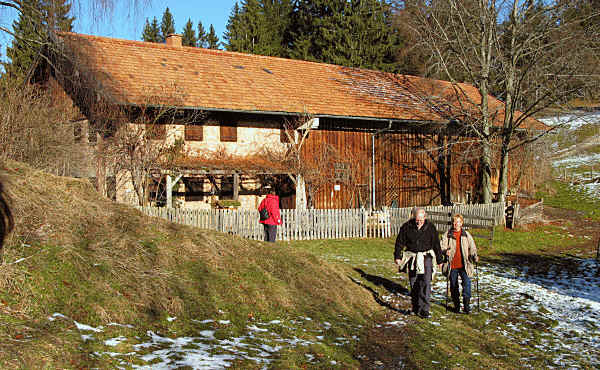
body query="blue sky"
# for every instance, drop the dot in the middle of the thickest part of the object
(127, 23)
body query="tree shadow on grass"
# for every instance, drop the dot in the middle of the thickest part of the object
(389, 285)
(567, 274)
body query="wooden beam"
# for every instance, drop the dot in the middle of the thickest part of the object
(236, 186)
(169, 191)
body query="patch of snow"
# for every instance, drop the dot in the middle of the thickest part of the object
(573, 120)
(113, 342)
(171, 319)
(87, 327)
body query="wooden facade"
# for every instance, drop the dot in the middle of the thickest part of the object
(408, 168)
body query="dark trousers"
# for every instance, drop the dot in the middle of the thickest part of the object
(270, 232)
(420, 287)
(466, 286)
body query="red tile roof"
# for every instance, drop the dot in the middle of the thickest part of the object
(135, 72)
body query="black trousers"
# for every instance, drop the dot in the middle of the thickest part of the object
(270, 232)
(420, 287)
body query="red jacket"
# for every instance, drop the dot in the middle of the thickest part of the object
(271, 203)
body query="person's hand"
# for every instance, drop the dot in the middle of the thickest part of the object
(397, 262)
(448, 252)
(476, 258)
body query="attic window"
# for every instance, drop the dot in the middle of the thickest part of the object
(238, 67)
(268, 71)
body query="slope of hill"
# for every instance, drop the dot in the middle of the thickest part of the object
(576, 150)
(79, 269)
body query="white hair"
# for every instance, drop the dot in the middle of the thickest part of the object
(416, 210)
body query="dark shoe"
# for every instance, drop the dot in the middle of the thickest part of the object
(467, 310)
(455, 309)
(466, 305)
(424, 315)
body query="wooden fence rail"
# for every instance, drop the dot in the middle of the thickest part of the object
(323, 223)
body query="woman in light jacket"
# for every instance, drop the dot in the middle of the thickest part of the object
(460, 248)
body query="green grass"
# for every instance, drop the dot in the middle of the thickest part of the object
(562, 195)
(480, 344)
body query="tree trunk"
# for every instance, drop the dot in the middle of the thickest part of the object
(300, 192)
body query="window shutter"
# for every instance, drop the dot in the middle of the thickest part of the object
(194, 132)
(156, 131)
(229, 132)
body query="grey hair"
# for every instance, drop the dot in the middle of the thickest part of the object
(416, 210)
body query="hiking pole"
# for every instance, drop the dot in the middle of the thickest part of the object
(447, 292)
(477, 286)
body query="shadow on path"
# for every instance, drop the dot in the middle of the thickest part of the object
(389, 285)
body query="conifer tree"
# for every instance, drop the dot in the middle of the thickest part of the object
(202, 42)
(151, 31)
(354, 33)
(189, 35)
(258, 27)
(30, 32)
(212, 40)
(167, 26)
(233, 32)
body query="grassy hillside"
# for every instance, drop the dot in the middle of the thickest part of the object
(76, 258)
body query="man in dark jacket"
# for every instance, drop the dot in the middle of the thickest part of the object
(418, 250)
(271, 204)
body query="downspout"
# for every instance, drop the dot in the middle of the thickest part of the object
(373, 161)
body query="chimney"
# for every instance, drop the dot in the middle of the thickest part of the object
(174, 39)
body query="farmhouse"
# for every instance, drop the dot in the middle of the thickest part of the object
(338, 137)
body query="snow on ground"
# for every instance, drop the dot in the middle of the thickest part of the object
(260, 343)
(577, 161)
(573, 120)
(569, 299)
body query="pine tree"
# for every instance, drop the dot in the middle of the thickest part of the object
(30, 33)
(189, 35)
(354, 33)
(151, 31)
(167, 26)
(233, 32)
(258, 27)
(202, 42)
(212, 40)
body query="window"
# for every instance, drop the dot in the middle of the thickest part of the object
(226, 188)
(194, 132)
(228, 132)
(156, 131)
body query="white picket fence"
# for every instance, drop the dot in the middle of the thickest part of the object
(314, 223)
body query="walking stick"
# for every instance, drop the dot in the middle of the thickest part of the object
(446, 292)
(477, 286)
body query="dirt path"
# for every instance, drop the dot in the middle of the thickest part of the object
(385, 347)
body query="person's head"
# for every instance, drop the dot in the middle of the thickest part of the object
(6, 220)
(457, 221)
(270, 189)
(419, 214)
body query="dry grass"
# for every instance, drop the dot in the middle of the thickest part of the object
(99, 262)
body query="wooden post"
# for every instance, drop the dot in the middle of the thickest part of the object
(236, 186)
(170, 184)
(101, 166)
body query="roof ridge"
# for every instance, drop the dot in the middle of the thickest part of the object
(197, 50)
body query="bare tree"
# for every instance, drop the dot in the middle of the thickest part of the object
(37, 130)
(143, 147)
(530, 54)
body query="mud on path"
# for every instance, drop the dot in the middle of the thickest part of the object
(385, 345)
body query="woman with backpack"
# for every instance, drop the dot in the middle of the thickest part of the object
(270, 216)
